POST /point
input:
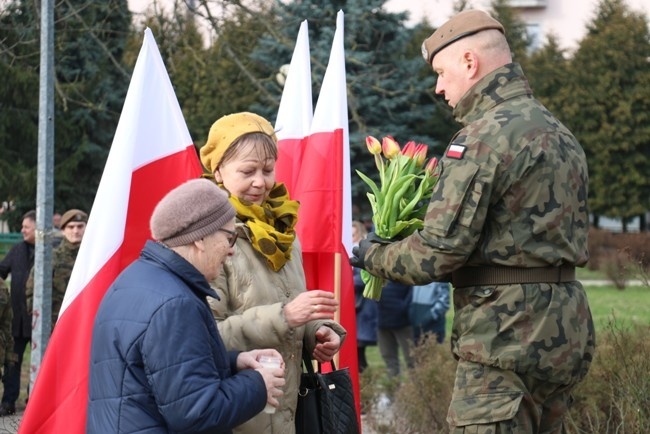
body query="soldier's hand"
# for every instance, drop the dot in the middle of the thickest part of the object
(359, 253)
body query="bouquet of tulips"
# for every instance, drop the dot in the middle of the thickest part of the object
(400, 200)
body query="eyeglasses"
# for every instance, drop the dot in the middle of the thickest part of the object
(232, 236)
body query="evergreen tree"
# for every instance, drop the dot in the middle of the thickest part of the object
(222, 77)
(90, 84)
(610, 110)
(18, 110)
(548, 74)
(515, 30)
(390, 87)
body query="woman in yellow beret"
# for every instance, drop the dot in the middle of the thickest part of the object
(263, 301)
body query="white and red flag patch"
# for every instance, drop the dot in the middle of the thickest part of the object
(456, 151)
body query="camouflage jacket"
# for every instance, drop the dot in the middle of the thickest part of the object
(63, 259)
(513, 193)
(6, 317)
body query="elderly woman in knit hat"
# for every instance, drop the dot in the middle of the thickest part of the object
(157, 362)
(262, 292)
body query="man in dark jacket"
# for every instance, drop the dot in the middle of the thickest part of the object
(157, 361)
(18, 262)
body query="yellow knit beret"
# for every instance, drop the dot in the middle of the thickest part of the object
(226, 130)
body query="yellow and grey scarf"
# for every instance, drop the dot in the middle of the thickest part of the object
(272, 224)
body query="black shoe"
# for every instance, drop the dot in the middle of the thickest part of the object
(7, 409)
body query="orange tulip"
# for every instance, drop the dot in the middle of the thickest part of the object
(390, 147)
(409, 149)
(399, 199)
(431, 166)
(373, 145)
(420, 154)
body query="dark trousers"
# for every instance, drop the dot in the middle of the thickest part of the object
(11, 377)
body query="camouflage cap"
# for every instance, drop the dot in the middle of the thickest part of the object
(73, 215)
(463, 24)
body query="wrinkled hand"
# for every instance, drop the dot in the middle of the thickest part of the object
(359, 253)
(310, 305)
(328, 343)
(250, 359)
(274, 381)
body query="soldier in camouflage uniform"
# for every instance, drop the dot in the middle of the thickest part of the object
(73, 226)
(507, 225)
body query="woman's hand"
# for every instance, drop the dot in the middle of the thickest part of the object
(250, 359)
(328, 343)
(310, 305)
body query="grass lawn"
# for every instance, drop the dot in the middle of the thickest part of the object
(626, 307)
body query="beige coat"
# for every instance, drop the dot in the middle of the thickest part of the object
(250, 315)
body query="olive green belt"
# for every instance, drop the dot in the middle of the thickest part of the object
(483, 276)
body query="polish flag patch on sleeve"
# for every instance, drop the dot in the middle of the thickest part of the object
(456, 152)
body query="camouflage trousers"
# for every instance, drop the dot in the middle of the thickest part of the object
(489, 400)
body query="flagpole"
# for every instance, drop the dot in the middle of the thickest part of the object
(337, 294)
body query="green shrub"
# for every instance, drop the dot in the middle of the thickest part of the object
(615, 395)
(613, 398)
(420, 398)
(423, 399)
(621, 256)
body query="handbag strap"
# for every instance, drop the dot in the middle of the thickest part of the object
(307, 361)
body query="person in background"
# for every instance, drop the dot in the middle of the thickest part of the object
(394, 329)
(57, 235)
(56, 221)
(366, 309)
(73, 227)
(428, 310)
(507, 224)
(18, 262)
(157, 362)
(263, 301)
(6, 317)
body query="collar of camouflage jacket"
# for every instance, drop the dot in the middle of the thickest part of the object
(499, 85)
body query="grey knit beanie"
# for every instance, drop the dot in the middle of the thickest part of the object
(190, 212)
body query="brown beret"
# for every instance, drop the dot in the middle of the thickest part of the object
(73, 215)
(226, 130)
(190, 212)
(463, 24)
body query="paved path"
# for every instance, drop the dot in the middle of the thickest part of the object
(9, 424)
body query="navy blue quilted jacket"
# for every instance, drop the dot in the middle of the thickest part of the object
(158, 364)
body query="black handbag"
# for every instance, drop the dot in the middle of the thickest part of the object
(325, 401)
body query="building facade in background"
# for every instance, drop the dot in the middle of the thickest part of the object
(566, 19)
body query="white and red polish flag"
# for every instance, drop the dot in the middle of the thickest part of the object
(323, 189)
(152, 153)
(295, 113)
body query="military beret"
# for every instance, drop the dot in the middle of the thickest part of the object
(73, 215)
(226, 130)
(463, 24)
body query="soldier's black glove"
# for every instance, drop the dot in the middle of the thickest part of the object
(359, 253)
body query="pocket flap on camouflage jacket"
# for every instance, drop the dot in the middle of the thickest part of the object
(484, 408)
(455, 198)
